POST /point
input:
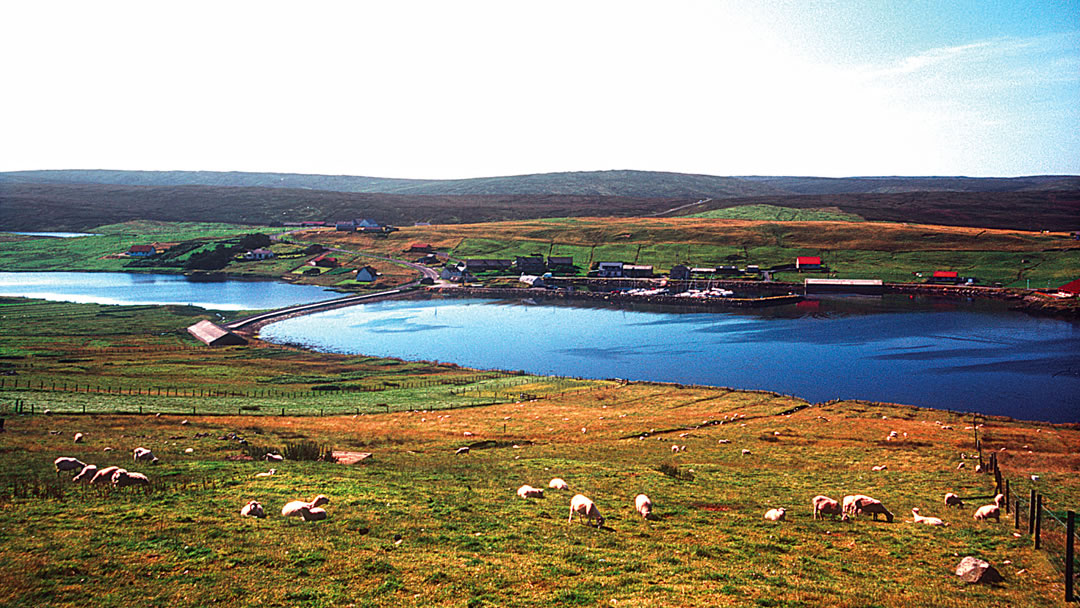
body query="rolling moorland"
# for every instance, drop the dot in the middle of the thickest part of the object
(418, 524)
(77, 200)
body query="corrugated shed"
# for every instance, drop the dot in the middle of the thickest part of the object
(214, 335)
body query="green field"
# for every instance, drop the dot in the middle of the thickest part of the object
(774, 213)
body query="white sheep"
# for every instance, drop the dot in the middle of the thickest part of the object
(558, 484)
(103, 475)
(643, 505)
(674, 449)
(189, 451)
(880, 467)
(273, 458)
(462, 450)
(960, 466)
(929, 521)
(585, 508)
(299, 508)
(66, 463)
(823, 505)
(746, 452)
(952, 500)
(269, 473)
(86, 474)
(313, 514)
(122, 478)
(775, 514)
(860, 503)
(78, 437)
(142, 454)
(991, 511)
(253, 509)
(527, 491)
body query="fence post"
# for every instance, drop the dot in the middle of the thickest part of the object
(1007, 495)
(1031, 514)
(1038, 521)
(1016, 514)
(1070, 539)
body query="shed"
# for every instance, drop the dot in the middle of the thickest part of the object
(142, 250)
(680, 271)
(807, 262)
(1072, 287)
(419, 248)
(366, 274)
(554, 260)
(945, 276)
(214, 335)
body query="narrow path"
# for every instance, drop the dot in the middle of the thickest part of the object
(674, 209)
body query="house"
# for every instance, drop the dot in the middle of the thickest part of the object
(530, 264)
(1071, 288)
(457, 274)
(532, 280)
(609, 269)
(365, 225)
(637, 271)
(808, 262)
(323, 261)
(680, 272)
(727, 270)
(258, 254)
(419, 248)
(312, 224)
(214, 335)
(345, 227)
(484, 265)
(141, 251)
(367, 274)
(753, 268)
(560, 261)
(945, 276)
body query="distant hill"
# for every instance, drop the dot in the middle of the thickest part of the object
(636, 184)
(77, 200)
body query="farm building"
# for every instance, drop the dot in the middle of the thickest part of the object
(366, 274)
(258, 254)
(323, 261)
(1071, 288)
(637, 271)
(945, 276)
(482, 265)
(560, 261)
(609, 269)
(530, 264)
(808, 262)
(141, 250)
(345, 226)
(679, 272)
(419, 248)
(214, 335)
(455, 274)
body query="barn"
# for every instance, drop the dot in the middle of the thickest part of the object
(214, 335)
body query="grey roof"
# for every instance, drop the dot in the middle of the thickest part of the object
(214, 335)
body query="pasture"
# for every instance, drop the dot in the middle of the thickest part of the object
(418, 525)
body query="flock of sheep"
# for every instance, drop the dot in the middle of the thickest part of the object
(116, 476)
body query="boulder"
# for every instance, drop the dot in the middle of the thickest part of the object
(975, 570)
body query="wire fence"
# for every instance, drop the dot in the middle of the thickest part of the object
(1049, 523)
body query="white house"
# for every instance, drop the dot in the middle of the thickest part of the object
(609, 269)
(258, 254)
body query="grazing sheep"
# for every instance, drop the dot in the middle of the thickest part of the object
(746, 452)
(643, 505)
(775, 514)
(860, 503)
(823, 505)
(66, 463)
(462, 450)
(880, 467)
(299, 508)
(674, 449)
(960, 466)
(467, 434)
(142, 454)
(585, 508)
(558, 484)
(189, 451)
(988, 512)
(527, 491)
(253, 509)
(269, 473)
(978, 468)
(103, 475)
(123, 479)
(86, 474)
(952, 500)
(313, 514)
(273, 458)
(723, 441)
(929, 521)
(78, 437)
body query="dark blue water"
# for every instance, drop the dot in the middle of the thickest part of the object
(129, 288)
(969, 356)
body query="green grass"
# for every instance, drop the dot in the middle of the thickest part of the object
(774, 213)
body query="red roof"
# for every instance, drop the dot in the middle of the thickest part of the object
(142, 248)
(1072, 287)
(808, 260)
(945, 274)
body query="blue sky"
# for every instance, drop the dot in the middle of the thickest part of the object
(477, 88)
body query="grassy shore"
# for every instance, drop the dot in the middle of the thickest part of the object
(417, 525)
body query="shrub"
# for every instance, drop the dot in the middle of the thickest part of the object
(674, 471)
(307, 450)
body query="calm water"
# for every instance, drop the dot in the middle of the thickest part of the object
(57, 235)
(945, 354)
(129, 288)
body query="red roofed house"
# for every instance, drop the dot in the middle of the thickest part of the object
(945, 276)
(1072, 288)
(324, 261)
(807, 262)
(141, 250)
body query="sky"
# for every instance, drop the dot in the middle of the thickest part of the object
(472, 89)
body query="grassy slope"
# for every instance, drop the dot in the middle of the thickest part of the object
(893, 252)
(773, 213)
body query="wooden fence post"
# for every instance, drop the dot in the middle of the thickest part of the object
(1038, 521)
(1007, 496)
(1031, 514)
(1070, 554)
(1016, 514)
